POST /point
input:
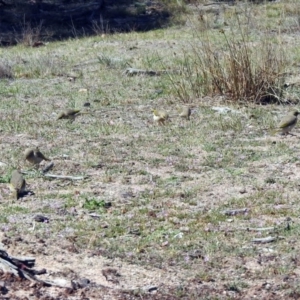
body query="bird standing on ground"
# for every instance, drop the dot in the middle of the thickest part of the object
(184, 112)
(34, 156)
(160, 116)
(18, 183)
(70, 114)
(287, 123)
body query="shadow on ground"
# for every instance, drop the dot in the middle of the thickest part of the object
(32, 21)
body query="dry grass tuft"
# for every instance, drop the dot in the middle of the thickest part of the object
(30, 35)
(233, 65)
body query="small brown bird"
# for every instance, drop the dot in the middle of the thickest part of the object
(184, 112)
(160, 116)
(18, 183)
(34, 156)
(287, 123)
(70, 114)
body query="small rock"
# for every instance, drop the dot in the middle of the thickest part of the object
(80, 283)
(195, 254)
(164, 244)
(243, 191)
(48, 167)
(94, 215)
(40, 218)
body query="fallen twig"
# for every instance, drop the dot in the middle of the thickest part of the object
(268, 239)
(133, 71)
(259, 229)
(22, 267)
(233, 212)
(57, 176)
(65, 177)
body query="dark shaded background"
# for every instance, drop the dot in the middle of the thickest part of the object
(46, 20)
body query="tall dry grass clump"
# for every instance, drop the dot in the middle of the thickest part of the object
(233, 64)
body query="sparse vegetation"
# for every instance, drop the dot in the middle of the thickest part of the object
(154, 197)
